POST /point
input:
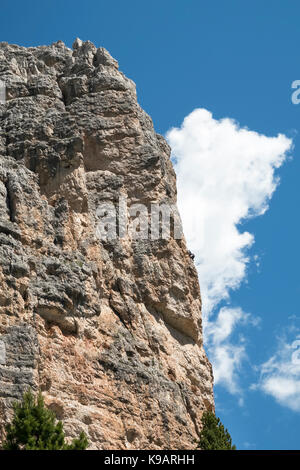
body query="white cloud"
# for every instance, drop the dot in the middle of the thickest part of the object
(225, 175)
(280, 375)
(226, 356)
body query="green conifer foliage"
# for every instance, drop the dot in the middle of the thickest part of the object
(34, 427)
(213, 435)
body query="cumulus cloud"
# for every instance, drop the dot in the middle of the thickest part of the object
(225, 175)
(280, 375)
(225, 355)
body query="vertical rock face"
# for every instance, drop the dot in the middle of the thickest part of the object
(110, 331)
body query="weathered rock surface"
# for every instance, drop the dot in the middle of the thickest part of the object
(109, 331)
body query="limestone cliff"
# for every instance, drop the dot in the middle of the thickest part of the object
(110, 331)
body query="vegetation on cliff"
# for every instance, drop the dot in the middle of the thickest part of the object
(34, 427)
(213, 435)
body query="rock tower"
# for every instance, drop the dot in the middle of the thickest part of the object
(108, 330)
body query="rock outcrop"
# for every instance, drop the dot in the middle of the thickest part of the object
(109, 330)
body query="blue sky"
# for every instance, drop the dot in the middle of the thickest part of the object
(237, 59)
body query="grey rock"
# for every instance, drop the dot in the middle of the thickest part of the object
(110, 331)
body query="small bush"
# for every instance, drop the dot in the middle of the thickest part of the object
(213, 435)
(34, 427)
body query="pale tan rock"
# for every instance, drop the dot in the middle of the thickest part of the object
(109, 331)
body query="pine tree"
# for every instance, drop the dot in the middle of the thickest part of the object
(34, 427)
(213, 435)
